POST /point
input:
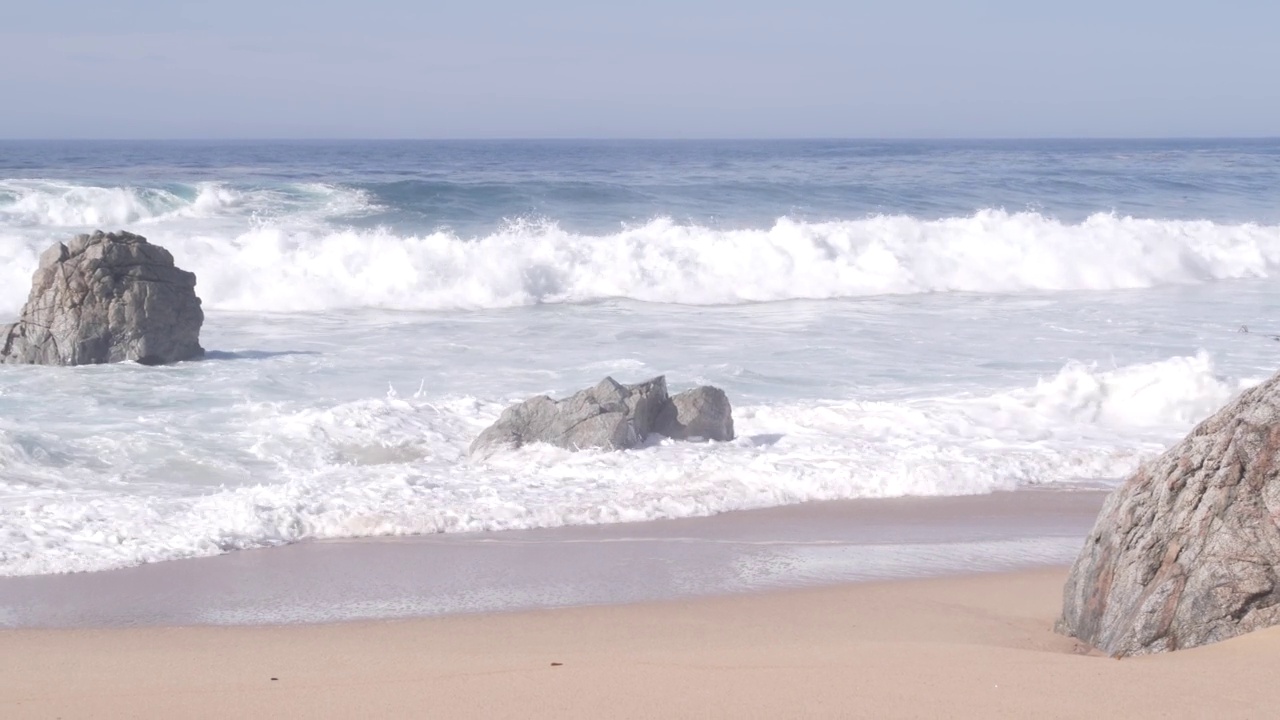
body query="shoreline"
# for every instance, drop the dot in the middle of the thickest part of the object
(797, 546)
(971, 646)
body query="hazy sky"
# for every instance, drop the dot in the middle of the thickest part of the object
(594, 68)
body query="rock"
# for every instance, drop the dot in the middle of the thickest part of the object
(1187, 551)
(610, 416)
(703, 413)
(106, 298)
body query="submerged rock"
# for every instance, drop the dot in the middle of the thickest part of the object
(609, 416)
(1187, 551)
(106, 297)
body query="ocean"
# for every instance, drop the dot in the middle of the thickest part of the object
(889, 319)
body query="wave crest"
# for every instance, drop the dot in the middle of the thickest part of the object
(46, 203)
(527, 263)
(282, 268)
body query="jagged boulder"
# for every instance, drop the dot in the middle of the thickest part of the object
(701, 413)
(1187, 551)
(609, 416)
(106, 297)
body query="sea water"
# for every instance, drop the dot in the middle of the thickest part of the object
(888, 319)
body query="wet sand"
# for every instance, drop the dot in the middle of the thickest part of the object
(790, 547)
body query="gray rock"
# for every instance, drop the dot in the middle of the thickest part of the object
(703, 412)
(106, 298)
(609, 416)
(1187, 551)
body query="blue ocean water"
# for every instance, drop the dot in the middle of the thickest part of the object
(889, 318)
(473, 187)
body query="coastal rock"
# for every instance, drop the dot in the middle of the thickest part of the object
(1187, 551)
(610, 416)
(106, 297)
(703, 413)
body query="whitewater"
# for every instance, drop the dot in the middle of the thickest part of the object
(883, 327)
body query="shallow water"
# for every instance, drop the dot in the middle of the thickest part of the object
(778, 548)
(882, 324)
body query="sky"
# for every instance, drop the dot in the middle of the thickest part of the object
(660, 69)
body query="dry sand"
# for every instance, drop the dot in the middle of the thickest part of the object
(976, 646)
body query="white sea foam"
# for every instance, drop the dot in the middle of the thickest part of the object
(309, 266)
(57, 204)
(991, 252)
(397, 465)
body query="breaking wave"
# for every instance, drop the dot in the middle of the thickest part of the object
(280, 268)
(55, 204)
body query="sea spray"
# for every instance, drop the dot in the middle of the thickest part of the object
(283, 268)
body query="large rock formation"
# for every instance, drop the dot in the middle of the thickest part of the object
(106, 298)
(610, 416)
(1187, 551)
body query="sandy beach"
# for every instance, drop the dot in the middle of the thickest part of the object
(976, 646)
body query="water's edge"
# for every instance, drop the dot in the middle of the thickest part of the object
(740, 552)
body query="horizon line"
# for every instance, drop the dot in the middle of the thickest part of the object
(744, 138)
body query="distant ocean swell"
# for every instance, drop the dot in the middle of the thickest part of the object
(34, 204)
(52, 203)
